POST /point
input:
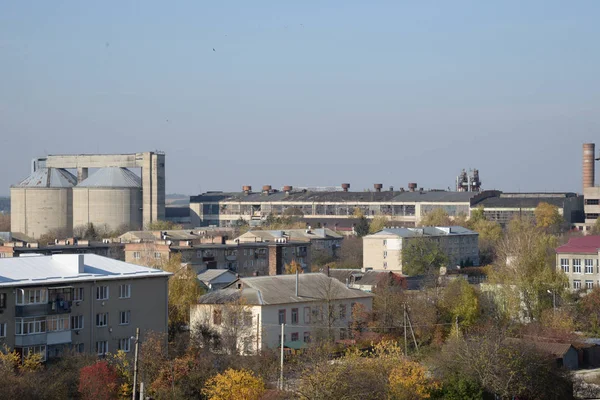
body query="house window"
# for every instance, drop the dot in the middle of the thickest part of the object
(342, 311)
(101, 319)
(217, 317)
(30, 326)
(306, 337)
(385, 242)
(77, 322)
(58, 323)
(247, 318)
(577, 284)
(79, 347)
(385, 265)
(2, 300)
(577, 265)
(282, 316)
(294, 316)
(295, 337)
(41, 350)
(589, 284)
(31, 296)
(102, 347)
(102, 293)
(3, 329)
(125, 344)
(307, 315)
(124, 317)
(78, 294)
(125, 291)
(279, 339)
(137, 255)
(385, 254)
(157, 255)
(564, 264)
(589, 266)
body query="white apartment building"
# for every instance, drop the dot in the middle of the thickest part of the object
(383, 250)
(578, 259)
(253, 310)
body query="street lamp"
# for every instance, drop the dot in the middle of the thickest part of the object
(135, 361)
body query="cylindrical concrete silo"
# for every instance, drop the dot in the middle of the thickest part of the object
(110, 197)
(43, 202)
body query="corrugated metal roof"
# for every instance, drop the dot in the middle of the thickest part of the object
(584, 245)
(426, 231)
(526, 200)
(112, 177)
(211, 274)
(50, 178)
(62, 268)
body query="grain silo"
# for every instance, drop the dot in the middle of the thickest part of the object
(43, 202)
(110, 197)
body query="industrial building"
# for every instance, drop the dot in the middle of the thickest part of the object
(53, 199)
(403, 207)
(85, 302)
(382, 251)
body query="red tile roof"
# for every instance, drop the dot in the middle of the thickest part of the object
(584, 245)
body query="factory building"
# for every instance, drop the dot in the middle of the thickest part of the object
(53, 199)
(403, 207)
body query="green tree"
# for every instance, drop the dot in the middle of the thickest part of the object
(362, 227)
(490, 235)
(477, 215)
(161, 225)
(596, 227)
(460, 303)
(460, 388)
(437, 217)
(422, 255)
(377, 223)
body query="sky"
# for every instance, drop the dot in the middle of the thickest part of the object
(306, 93)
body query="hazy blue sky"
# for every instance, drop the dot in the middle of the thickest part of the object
(306, 92)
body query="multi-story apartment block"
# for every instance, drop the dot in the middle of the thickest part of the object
(383, 250)
(252, 310)
(578, 259)
(105, 248)
(82, 301)
(253, 253)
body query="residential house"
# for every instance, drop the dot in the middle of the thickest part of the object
(578, 259)
(86, 302)
(252, 310)
(214, 279)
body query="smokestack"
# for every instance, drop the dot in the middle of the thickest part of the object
(287, 189)
(345, 186)
(589, 171)
(412, 186)
(378, 187)
(266, 189)
(246, 189)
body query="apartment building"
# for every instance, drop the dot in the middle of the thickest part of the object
(82, 301)
(383, 250)
(254, 253)
(253, 310)
(105, 248)
(578, 259)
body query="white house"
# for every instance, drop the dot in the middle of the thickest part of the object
(250, 311)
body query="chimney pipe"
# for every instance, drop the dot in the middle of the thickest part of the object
(266, 189)
(412, 186)
(345, 186)
(378, 187)
(287, 189)
(589, 171)
(247, 189)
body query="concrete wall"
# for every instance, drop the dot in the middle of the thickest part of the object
(115, 207)
(35, 211)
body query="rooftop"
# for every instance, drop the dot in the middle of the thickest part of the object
(49, 178)
(112, 177)
(65, 268)
(211, 274)
(425, 231)
(281, 289)
(526, 200)
(585, 245)
(292, 234)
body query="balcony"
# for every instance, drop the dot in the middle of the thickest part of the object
(58, 337)
(51, 308)
(30, 340)
(59, 307)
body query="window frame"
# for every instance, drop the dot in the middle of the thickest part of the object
(104, 345)
(125, 348)
(565, 265)
(588, 266)
(102, 317)
(294, 316)
(125, 291)
(127, 319)
(78, 294)
(78, 318)
(100, 291)
(279, 314)
(577, 265)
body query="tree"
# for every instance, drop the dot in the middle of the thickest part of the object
(437, 217)
(377, 223)
(409, 381)
(98, 381)
(362, 227)
(596, 227)
(588, 312)
(351, 253)
(184, 290)
(4, 222)
(548, 217)
(422, 255)
(525, 271)
(490, 235)
(234, 385)
(460, 303)
(161, 225)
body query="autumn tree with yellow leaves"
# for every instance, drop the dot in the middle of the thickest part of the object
(234, 385)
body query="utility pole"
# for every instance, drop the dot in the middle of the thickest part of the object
(135, 362)
(141, 390)
(281, 365)
(405, 337)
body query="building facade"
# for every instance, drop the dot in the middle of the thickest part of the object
(85, 302)
(252, 310)
(383, 250)
(106, 248)
(578, 259)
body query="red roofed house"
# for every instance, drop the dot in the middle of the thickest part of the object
(579, 260)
